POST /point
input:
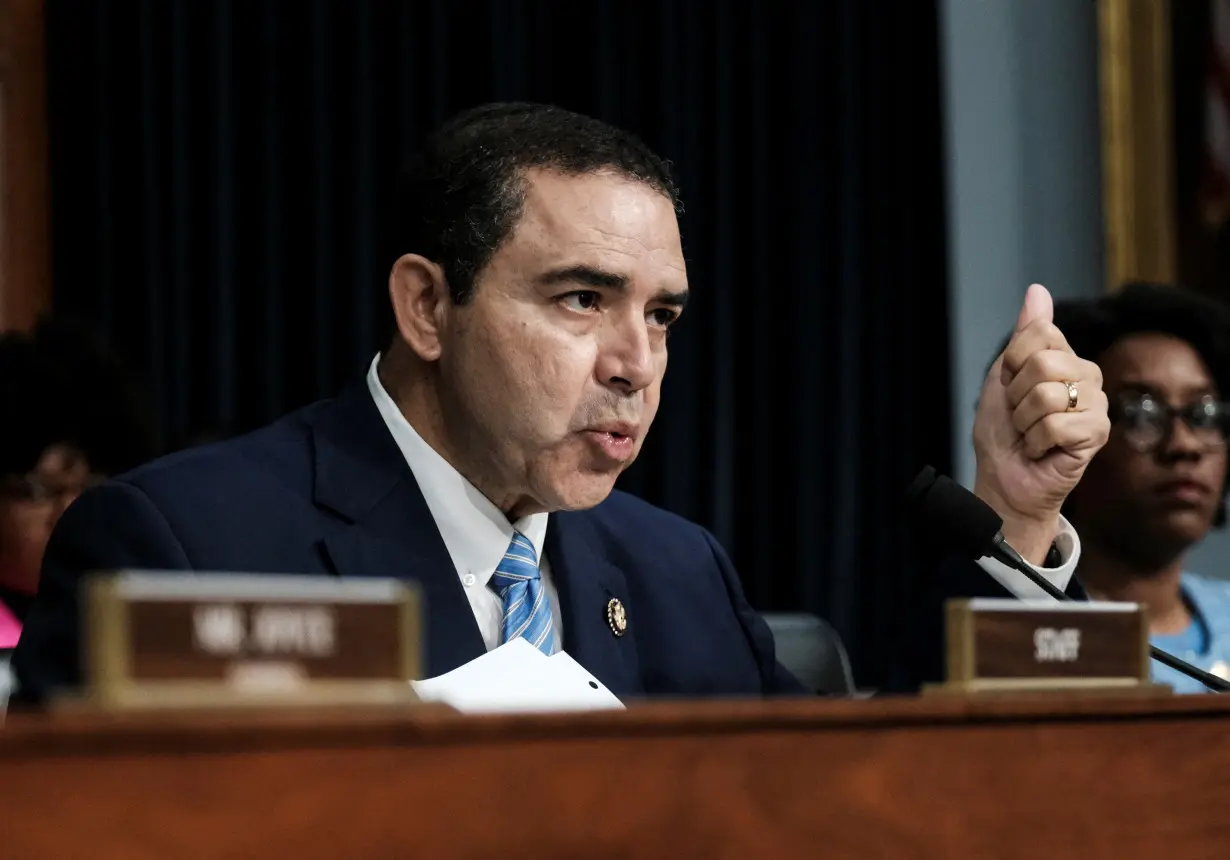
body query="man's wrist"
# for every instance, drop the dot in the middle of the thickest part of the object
(1031, 537)
(1067, 553)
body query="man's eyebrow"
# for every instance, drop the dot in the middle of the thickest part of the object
(591, 276)
(587, 275)
(674, 299)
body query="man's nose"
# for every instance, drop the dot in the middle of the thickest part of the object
(626, 359)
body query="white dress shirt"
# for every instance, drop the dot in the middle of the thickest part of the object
(475, 531)
(1069, 545)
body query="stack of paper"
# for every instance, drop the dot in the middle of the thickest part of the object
(518, 678)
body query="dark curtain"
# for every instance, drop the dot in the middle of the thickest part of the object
(220, 177)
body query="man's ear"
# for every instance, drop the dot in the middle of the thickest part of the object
(418, 291)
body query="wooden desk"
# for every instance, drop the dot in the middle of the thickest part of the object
(1036, 778)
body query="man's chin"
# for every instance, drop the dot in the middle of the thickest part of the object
(581, 492)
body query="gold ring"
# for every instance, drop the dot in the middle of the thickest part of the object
(1073, 394)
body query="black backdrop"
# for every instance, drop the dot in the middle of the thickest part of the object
(220, 172)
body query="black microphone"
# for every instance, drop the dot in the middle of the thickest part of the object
(970, 526)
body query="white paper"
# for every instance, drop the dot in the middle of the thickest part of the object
(518, 678)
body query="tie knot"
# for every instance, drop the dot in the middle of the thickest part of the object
(520, 564)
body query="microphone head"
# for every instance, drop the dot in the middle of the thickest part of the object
(953, 517)
(920, 486)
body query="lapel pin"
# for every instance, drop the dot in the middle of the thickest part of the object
(616, 617)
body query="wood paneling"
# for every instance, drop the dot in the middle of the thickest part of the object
(25, 279)
(1137, 149)
(1007, 778)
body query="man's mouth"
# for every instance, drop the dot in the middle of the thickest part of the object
(614, 440)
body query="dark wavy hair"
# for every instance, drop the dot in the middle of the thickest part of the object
(460, 197)
(61, 384)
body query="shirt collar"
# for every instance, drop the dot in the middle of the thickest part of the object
(474, 530)
(1207, 600)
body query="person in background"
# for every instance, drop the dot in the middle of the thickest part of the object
(1150, 495)
(71, 416)
(1159, 485)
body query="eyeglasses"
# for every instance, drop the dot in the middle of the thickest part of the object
(1147, 423)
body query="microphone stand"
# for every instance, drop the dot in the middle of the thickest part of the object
(1009, 556)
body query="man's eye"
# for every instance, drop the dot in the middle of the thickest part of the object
(663, 317)
(583, 300)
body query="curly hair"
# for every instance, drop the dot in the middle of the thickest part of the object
(1093, 327)
(60, 384)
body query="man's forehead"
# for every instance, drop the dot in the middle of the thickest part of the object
(601, 220)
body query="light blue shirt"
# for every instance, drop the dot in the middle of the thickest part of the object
(1206, 641)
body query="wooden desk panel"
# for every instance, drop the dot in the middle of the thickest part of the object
(1036, 778)
(25, 248)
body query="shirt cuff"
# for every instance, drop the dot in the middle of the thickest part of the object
(1069, 545)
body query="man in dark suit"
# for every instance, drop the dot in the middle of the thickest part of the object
(542, 269)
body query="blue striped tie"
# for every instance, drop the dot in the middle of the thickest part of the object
(527, 611)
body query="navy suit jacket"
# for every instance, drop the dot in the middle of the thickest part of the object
(326, 491)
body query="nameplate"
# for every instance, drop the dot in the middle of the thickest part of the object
(1001, 645)
(184, 639)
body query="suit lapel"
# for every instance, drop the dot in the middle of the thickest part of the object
(388, 530)
(587, 582)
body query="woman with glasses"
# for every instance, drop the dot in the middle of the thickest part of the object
(69, 415)
(1159, 485)
(1150, 495)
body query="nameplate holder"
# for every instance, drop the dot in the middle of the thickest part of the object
(190, 640)
(1002, 646)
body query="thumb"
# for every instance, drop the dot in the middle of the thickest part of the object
(1038, 305)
